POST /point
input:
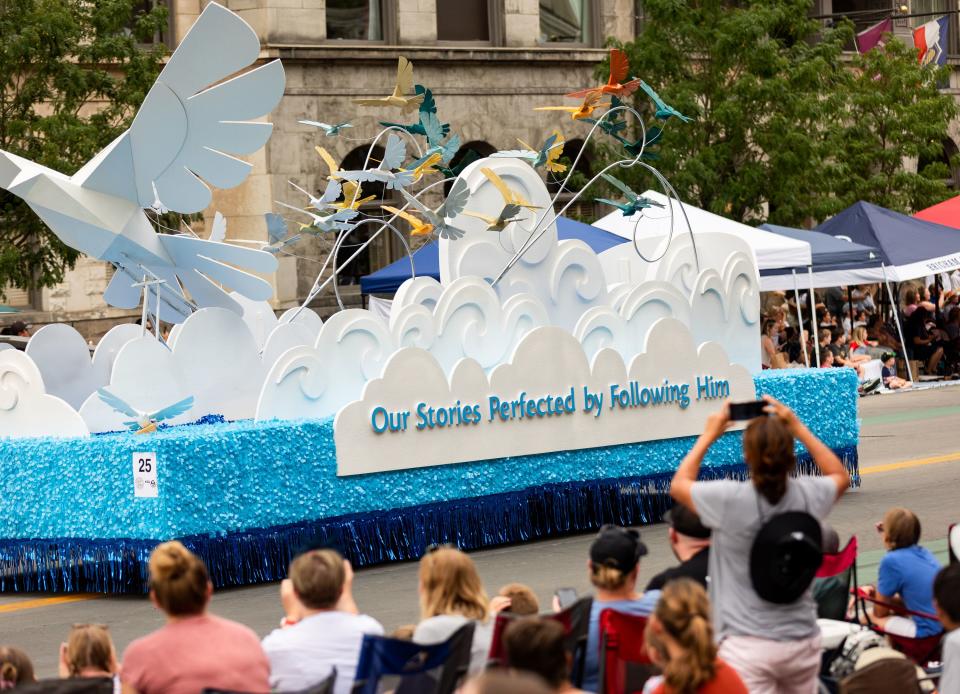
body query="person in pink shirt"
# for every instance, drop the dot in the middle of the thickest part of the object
(194, 649)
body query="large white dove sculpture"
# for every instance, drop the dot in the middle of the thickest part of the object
(185, 133)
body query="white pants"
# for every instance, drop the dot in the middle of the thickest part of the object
(774, 667)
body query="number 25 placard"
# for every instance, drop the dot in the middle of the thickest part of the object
(145, 475)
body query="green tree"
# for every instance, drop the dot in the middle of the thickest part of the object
(894, 114)
(72, 73)
(786, 127)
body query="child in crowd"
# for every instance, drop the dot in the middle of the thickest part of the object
(515, 598)
(946, 595)
(89, 653)
(890, 378)
(15, 668)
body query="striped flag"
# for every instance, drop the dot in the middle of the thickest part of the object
(931, 42)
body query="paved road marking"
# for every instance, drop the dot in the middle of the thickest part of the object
(46, 602)
(912, 415)
(918, 462)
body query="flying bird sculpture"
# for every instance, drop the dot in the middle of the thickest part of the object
(403, 86)
(336, 221)
(545, 156)
(143, 422)
(615, 86)
(634, 203)
(328, 129)
(590, 104)
(184, 134)
(277, 232)
(352, 197)
(664, 111)
(330, 195)
(453, 205)
(428, 105)
(513, 203)
(394, 154)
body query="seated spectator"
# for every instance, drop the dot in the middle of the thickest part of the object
(773, 645)
(879, 332)
(195, 649)
(861, 345)
(538, 646)
(826, 358)
(89, 653)
(16, 329)
(923, 344)
(15, 668)
(516, 598)
(841, 352)
(946, 595)
(827, 321)
(910, 302)
(889, 374)
(614, 568)
(905, 577)
(768, 349)
(451, 594)
(501, 682)
(323, 628)
(690, 542)
(680, 639)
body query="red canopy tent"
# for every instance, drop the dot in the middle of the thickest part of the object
(946, 213)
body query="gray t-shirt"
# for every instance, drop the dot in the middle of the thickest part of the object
(732, 511)
(950, 679)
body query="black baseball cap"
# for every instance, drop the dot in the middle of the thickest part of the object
(618, 548)
(686, 522)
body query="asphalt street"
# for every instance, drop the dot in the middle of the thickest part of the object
(909, 455)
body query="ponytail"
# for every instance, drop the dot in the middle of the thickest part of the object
(768, 449)
(684, 612)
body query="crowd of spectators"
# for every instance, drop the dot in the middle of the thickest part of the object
(850, 336)
(736, 614)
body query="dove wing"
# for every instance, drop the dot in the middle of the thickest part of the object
(486, 218)
(328, 160)
(331, 192)
(456, 199)
(218, 231)
(276, 226)
(508, 195)
(416, 203)
(404, 77)
(619, 66)
(394, 153)
(366, 175)
(117, 403)
(173, 410)
(428, 103)
(316, 124)
(618, 205)
(431, 126)
(186, 132)
(619, 185)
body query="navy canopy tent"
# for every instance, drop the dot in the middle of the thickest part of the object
(909, 247)
(830, 255)
(426, 260)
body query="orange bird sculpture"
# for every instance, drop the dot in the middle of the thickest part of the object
(615, 86)
(590, 104)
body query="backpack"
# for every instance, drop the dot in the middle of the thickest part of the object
(851, 649)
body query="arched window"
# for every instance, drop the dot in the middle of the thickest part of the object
(480, 150)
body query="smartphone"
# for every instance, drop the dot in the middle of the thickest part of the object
(747, 410)
(566, 597)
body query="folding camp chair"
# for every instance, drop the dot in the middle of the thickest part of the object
(77, 685)
(624, 663)
(921, 651)
(831, 585)
(405, 667)
(576, 623)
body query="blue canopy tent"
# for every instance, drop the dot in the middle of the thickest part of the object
(426, 259)
(829, 255)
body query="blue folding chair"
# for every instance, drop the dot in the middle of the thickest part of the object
(405, 667)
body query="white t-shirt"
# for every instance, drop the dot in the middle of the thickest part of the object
(731, 510)
(304, 654)
(440, 628)
(950, 679)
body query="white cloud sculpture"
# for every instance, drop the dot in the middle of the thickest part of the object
(548, 362)
(25, 407)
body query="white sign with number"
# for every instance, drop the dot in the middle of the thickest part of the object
(145, 475)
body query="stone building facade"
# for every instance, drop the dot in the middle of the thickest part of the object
(488, 63)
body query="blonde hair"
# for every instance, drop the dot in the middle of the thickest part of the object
(606, 577)
(90, 647)
(318, 577)
(450, 584)
(860, 334)
(684, 612)
(178, 579)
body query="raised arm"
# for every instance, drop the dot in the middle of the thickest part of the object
(825, 459)
(682, 485)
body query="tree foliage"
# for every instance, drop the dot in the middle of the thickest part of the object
(72, 73)
(787, 126)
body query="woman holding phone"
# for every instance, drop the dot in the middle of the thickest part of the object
(772, 643)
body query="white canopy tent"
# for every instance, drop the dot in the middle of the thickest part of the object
(652, 230)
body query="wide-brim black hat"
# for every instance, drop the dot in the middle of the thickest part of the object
(785, 556)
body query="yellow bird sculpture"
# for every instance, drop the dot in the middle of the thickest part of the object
(590, 104)
(329, 161)
(419, 227)
(352, 197)
(403, 87)
(510, 196)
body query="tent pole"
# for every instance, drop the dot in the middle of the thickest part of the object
(796, 297)
(896, 317)
(813, 317)
(850, 306)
